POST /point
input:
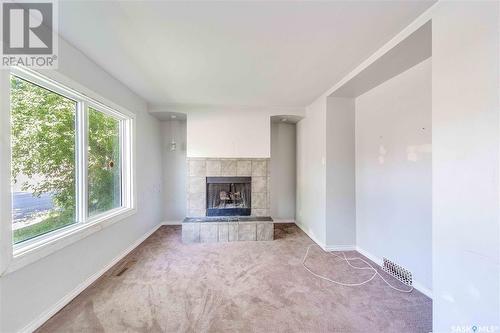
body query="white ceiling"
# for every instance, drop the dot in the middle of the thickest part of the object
(232, 53)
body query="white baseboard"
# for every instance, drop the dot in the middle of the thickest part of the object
(325, 247)
(417, 285)
(81, 287)
(310, 235)
(340, 248)
(370, 256)
(283, 220)
(426, 291)
(179, 222)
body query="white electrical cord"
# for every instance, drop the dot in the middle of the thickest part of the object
(368, 267)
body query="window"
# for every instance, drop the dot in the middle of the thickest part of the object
(43, 160)
(70, 158)
(104, 174)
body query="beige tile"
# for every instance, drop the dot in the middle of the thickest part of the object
(228, 168)
(260, 212)
(223, 232)
(197, 168)
(259, 200)
(209, 232)
(213, 168)
(232, 231)
(197, 185)
(247, 231)
(259, 184)
(196, 212)
(259, 168)
(190, 232)
(265, 231)
(243, 168)
(197, 201)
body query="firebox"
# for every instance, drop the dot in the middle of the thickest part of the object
(229, 196)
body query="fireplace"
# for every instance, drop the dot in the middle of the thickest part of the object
(253, 172)
(229, 196)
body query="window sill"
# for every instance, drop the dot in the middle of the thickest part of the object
(31, 251)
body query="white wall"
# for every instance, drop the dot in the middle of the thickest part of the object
(29, 292)
(227, 133)
(340, 175)
(465, 139)
(174, 171)
(465, 162)
(393, 171)
(222, 132)
(311, 177)
(283, 171)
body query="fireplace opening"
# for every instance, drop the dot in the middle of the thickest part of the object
(229, 196)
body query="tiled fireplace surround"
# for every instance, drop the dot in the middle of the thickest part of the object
(200, 168)
(258, 227)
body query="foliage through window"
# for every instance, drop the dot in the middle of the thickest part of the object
(104, 176)
(56, 141)
(43, 159)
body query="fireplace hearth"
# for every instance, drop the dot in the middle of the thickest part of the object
(229, 196)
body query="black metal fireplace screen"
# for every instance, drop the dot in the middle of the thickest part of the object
(229, 196)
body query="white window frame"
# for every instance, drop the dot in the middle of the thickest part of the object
(15, 256)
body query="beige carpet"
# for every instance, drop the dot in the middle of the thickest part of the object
(166, 286)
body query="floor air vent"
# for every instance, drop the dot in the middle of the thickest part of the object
(123, 267)
(121, 271)
(400, 273)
